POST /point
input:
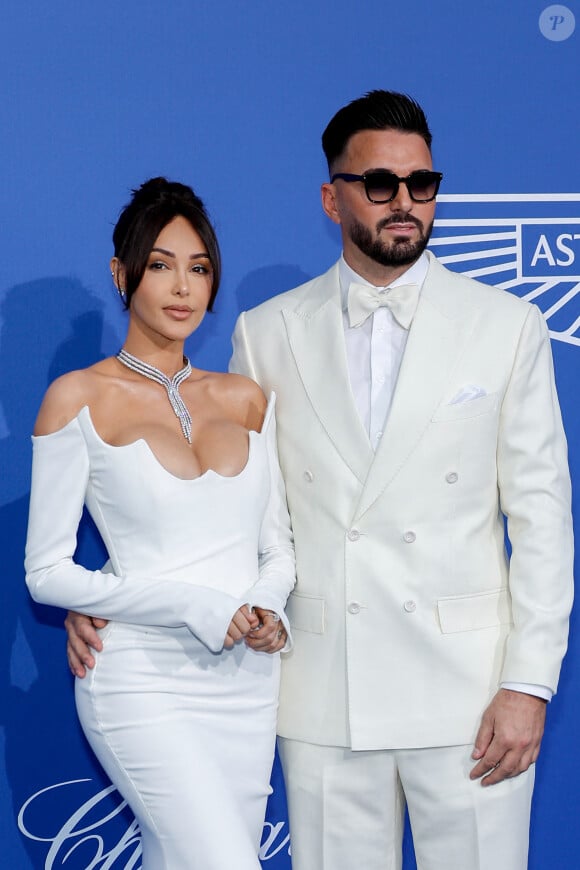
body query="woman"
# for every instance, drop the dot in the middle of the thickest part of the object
(178, 469)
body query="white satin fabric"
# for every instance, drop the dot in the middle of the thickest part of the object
(183, 728)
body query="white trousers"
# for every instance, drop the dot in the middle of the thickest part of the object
(347, 809)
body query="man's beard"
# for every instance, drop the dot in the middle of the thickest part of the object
(398, 252)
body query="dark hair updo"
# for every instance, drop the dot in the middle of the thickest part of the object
(154, 205)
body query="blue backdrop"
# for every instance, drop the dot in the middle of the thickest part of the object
(232, 98)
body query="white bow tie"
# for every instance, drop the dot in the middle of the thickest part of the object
(364, 300)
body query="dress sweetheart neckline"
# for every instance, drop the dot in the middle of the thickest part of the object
(86, 413)
(142, 442)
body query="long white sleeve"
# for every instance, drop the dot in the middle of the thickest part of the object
(534, 486)
(60, 474)
(277, 569)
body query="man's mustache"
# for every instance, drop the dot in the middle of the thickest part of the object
(399, 219)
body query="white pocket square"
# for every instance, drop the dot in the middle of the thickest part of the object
(467, 393)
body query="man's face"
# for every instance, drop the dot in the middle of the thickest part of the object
(380, 240)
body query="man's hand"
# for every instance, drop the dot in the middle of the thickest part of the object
(270, 636)
(509, 737)
(81, 636)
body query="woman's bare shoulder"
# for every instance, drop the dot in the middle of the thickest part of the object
(66, 396)
(244, 397)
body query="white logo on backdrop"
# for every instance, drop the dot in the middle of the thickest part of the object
(85, 831)
(528, 244)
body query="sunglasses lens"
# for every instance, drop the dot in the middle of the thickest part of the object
(423, 186)
(381, 186)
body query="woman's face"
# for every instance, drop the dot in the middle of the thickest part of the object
(173, 294)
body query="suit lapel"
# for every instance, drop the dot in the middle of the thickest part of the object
(316, 336)
(439, 333)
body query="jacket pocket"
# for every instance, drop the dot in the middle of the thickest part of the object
(305, 613)
(472, 612)
(466, 410)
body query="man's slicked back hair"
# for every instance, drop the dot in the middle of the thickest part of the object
(377, 110)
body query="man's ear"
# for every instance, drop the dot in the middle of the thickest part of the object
(329, 204)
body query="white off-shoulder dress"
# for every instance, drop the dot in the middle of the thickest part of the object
(183, 727)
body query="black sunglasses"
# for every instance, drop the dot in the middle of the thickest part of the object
(383, 186)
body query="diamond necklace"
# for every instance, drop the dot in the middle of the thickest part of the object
(172, 386)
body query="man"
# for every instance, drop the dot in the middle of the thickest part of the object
(416, 409)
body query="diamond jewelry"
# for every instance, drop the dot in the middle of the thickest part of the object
(172, 386)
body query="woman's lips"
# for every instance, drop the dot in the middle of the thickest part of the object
(178, 312)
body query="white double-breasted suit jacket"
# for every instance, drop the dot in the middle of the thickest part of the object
(407, 614)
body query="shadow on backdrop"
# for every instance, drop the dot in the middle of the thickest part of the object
(49, 327)
(261, 284)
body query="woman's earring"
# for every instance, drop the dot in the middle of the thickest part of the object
(120, 290)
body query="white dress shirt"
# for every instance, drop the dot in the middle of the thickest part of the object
(374, 350)
(374, 353)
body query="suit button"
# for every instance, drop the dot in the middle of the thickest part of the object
(410, 606)
(451, 477)
(409, 537)
(353, 607)
(353, 534)
(308, 476)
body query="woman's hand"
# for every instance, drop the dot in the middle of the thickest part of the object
(269, 635)
(243, 622)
